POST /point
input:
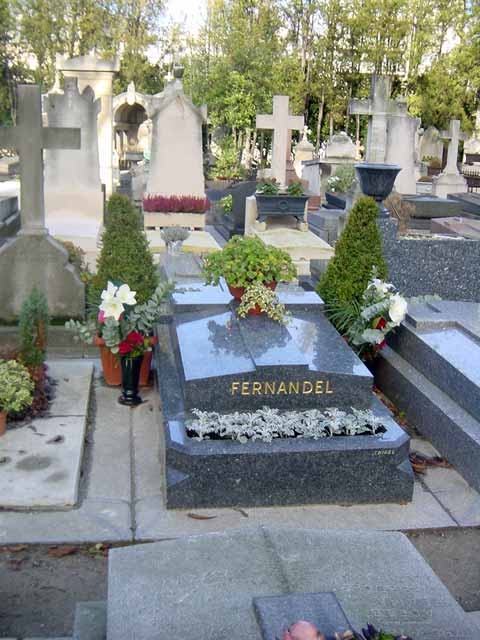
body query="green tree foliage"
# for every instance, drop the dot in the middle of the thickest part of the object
(356, 253)
(125, 256)
(32, 329)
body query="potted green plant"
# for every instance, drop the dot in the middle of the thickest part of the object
(258, 299)
(245, 260)
(272, 201)
(16, 389)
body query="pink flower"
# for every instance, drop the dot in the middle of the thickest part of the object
(302, 630)
(101, 317)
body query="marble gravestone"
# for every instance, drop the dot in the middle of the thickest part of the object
(73, 192)
(431, 144)
(176, 164)
(210, 360)
(32, 258)
(282, 123)
(392, 132)
(450, 180)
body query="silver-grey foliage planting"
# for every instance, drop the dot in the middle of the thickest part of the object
(266, 424)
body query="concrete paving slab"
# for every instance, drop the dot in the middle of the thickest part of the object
(475, 616)
(148, 475)
(158, 590)
(72, 392)
(90, 621)
(42, 462)
(95, 521)
(154, 521)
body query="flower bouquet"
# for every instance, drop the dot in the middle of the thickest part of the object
(366, 324)
(121, 328)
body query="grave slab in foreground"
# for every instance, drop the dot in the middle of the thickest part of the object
(208, 359)
(202, 587)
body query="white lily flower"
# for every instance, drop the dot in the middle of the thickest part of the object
(112, 308)
(381, 286)
(109, 292)
(126, 295)
(398, 308)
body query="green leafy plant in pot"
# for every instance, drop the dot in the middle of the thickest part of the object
(245, 261)
(16, 389)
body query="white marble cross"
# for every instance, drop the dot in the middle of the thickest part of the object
(379, 106)
(282, 123)
(29, 138)
(453, 136)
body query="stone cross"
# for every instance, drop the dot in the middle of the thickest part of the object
(378, 108)
(281, 122)
(29, 138)
(453, 136)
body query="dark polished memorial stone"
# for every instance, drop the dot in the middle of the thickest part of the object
(208, 359)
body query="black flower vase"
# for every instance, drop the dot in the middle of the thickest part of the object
(130, 379)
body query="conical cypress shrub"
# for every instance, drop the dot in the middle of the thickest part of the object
(125, 256)
(358, 250)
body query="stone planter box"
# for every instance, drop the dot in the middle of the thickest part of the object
(281, 205)
(336, 200)
(289, 471)
(158, 220)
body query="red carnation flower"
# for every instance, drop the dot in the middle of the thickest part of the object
(381, 324)
(134, 338)
(380, 345)
(124, 347)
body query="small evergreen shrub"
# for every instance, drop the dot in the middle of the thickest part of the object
(16, 386)
(125, 256)
(33, 329)
(357, 252)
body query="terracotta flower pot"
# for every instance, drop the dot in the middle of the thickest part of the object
(3, 423)
(237, 292)
(112, 371)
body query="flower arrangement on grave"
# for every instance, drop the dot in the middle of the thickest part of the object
(367, 323)
(16, 389)
(175, 204)
(249, 268)
(121, 326)
(303, 630)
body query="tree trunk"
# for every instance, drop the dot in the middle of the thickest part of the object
(321, 108)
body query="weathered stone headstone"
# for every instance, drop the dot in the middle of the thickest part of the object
(341, 146)
(282, 123)
(471, 148)
(98, 75)
(431, 144)
(391, 131)
(303, 151)
(450, 180)
(73, 193)
(32, 258)
(176, 165)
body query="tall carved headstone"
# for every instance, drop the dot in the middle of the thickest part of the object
(98, 75)
(282, 123)
(73, 193)
(33, 258)
(391, 131)
(176, 164)
(450, 180)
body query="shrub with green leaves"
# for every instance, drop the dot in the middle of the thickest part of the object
(125, 254)
(244, 260)
(16, 386)
(342, 178)
(357, 252)
(33, 329)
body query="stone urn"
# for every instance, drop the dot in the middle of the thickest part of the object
(377, 180)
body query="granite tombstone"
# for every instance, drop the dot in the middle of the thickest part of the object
(210, 360)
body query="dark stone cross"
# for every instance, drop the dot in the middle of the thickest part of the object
(29, 138)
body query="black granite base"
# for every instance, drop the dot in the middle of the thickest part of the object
(290, 471)
(208, 359)
(275, 614)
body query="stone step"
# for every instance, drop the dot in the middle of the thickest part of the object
(454, 432)
(202, 587)
(90, 621)
(446, 356)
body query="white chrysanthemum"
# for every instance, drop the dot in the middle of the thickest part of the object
(126, 295)
(112, 308)
(398, 308)
(381, 286)
(108, 294)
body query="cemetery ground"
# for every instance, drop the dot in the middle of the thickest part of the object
(55, 558)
